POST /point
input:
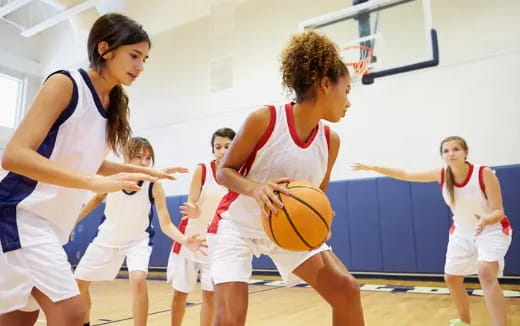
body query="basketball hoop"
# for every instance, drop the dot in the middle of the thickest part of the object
(358, 57)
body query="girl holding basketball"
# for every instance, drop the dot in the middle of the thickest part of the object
(277, 144)
(480, 234)
(126, 231)
(183, 265)
(57, 154)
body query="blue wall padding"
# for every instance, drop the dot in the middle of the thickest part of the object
(365, 226)
(397, 231)
(381, 225)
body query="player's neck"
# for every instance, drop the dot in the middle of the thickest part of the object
(460, 171)
(102, 83)
(306, 117)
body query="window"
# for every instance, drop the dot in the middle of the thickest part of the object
(11, 100)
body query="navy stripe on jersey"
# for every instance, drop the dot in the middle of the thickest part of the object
(95, 95)
(150, 229)
(101, 220)
(15, 187)
(132, 192)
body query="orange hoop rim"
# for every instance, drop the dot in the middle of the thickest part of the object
(360, 67)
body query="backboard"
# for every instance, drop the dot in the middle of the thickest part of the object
(399, 32)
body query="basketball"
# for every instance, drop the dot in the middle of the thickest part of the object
(304, 221)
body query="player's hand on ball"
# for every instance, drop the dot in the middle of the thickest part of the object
(265, 195)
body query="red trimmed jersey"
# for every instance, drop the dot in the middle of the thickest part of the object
(279, 154)
(470, 199)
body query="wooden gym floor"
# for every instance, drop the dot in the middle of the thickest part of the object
(394, 303)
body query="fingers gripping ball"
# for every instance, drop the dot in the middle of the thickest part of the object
(305, 219)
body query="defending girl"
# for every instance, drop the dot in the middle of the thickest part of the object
(57, 154)
(480, 234)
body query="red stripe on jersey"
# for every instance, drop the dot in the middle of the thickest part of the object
(481, 180)
(223, 206)
(452, 228)
(176, 248)
(244, 169)
(203, 177)
(468, 176)
(292, 128)
(214, 169)
(327, 136)
(231, 196)
(506, 226)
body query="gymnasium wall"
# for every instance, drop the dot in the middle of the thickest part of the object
(381, 226)
(398, 121)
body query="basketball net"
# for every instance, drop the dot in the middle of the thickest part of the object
(358, 58)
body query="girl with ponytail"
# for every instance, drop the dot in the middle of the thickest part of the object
(480, 234)
(55, 157)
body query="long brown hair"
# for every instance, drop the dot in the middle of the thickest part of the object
(308, 58)
(116, 30)
(449, 178)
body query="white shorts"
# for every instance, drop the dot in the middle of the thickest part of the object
(231, 258)
(464, 253)
(182, 272)
(100, 263)
(44, 267)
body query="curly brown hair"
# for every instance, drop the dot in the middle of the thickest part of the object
(306, 59)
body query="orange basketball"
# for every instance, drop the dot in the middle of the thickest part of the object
(305, 219)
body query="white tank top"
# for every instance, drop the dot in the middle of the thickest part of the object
(77, 140)
(279, 154)
(128, 217)
(210, 196)
(470, 199)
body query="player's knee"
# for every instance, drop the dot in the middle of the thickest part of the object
(74, 316)
(349, 285)
(139, 284)
(487, 274)
(343, 289)
(180, 296)
(228, 319)
(452, 279)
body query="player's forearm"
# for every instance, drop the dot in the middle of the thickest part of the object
(110, 168)
(88, 208)
(495, 216)
(232, 180)
(31, 164)
(169, 229)
(391, 172)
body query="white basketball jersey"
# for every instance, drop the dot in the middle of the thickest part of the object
(128, 217)
(77, 140)
(210, 196)
(470, 199)
(279, 154)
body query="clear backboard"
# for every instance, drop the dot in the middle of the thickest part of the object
(398, 32)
